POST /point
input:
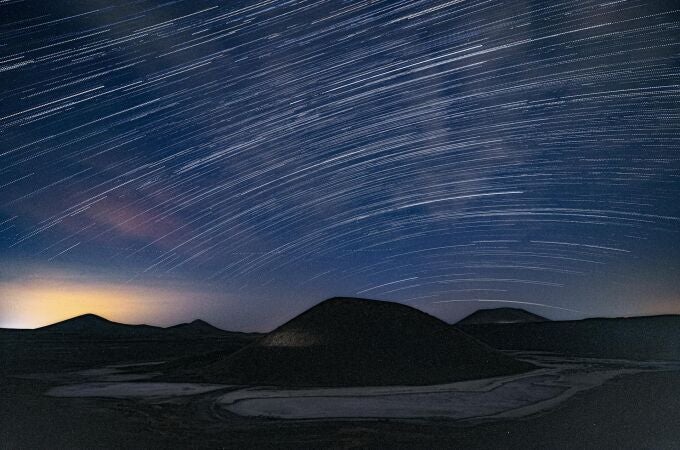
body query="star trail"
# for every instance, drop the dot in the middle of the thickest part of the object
(262, 156)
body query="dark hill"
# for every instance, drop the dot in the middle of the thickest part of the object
(642, 338)
(501, 315)
(357, 342)
(93, 324)
(196, 326)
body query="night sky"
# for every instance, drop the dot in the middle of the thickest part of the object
(242, 161)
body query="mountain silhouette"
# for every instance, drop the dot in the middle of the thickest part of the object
(89, 340)
(94, 324)
(196, 326)
(501, 315)
(359, 342)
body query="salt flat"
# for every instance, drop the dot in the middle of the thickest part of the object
(557, 379)
(512, 396)
(132, 389)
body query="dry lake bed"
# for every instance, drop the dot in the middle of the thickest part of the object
(568, 402)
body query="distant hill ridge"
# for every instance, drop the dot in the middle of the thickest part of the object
(197, 325)
(94, 324)
(640, 338)
(360, 342)
(501, 315)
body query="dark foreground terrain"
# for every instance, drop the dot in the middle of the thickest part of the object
(633, 411)
(637, 411)
(585, 401)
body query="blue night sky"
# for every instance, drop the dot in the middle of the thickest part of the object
(242, 161)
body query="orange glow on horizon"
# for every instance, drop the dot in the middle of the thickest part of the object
(36, 303)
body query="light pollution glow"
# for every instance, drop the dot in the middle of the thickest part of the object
(36, 303)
